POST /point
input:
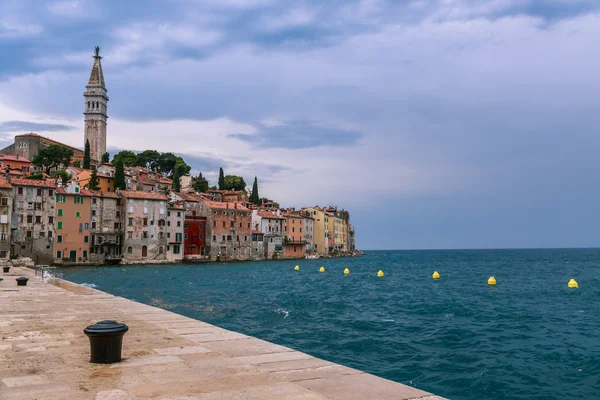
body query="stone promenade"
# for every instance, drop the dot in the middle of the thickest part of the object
(45, 355)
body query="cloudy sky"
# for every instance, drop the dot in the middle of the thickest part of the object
(437, 123)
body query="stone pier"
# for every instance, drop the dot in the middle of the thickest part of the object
(45, 355)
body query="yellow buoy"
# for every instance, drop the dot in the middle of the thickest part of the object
(322, 269)
(297, 268)
(346, 271)
(436, 275)
(573, 283)
(492, 281)
(380, 274)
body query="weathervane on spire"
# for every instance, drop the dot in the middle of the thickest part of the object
(97, 52)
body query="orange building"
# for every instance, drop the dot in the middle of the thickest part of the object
(106, 182)
(294, 242)
(73, 205)
(9, 162)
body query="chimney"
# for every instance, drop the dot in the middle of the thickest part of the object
(17, 156)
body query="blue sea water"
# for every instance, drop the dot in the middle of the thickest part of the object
(529, 337)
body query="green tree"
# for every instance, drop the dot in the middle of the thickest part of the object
(267, 200)
(221, 179)
(213, 187)
(148, 159)
(120, 176)
(36, 176)
(106, 157)
(233, 182)
(87, 160)
(200, 183)
(94, 183)
(53, 156)
(176, 183)
(63, 174)
(126, 157)
(254, 197)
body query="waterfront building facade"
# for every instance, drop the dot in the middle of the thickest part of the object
(175, 232)
(320, 230)
(230, 227)
(106, 228)
(145, 226)
(6, 200)
(32, 221)
(272, 226)
(309, 230)
(72, 244)
(294, 242)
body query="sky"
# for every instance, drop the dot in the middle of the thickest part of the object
(437, 123)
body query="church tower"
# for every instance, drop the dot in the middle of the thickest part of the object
(95, 113)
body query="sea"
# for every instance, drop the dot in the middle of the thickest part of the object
(528, 337)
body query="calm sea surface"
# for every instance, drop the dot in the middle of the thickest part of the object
(530, 337)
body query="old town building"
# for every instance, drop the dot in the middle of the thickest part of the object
(145, 227)
(6, 196)
(320, 229)
(294, 242)
(309, 230)
(106, 228)
(72, 244)
(28, 145)
(175, 231)
(230, 227)
(32, 221)
(106, 182)
(272, 226)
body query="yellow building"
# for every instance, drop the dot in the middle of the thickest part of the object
(320, 229)
(106, 182)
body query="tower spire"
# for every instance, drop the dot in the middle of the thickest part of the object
(96, 106)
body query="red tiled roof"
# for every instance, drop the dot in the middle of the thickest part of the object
(4, 183)
(130, 194)
(176, 206)
(188, 196)
(268, 214)
(98, 193)
(257, 232)
(32, 182)
(82, 192)
(221, 205)
(290, 215)
(9, 157)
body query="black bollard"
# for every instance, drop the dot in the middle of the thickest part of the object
(22, 281)
(5, 269)
(106, 340)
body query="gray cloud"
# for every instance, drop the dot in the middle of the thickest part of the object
(26, 126)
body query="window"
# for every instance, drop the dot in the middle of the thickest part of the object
(293, 229)
(231, 223)
(294, 249)
(3, 236)
(49, 234)
(240, 225)
(86, 226)
(178, 223)
(78, 199)
(130, 222)
(214, 224)
(80, 227)
(85, 253)
(229, 237)
(76, 189)
(59, 254)
(28, 234)
(5, 201)
(39, 192)
(178, 237)
(145, 210)
(248, 225)
(145, 222)
(29, 219)
(300, 229)
(200, 236)
(129, 250)
(93, 200)
(86, 239)
(116, 225)
(145, 235)
(160, 250)
(161, 211)
(50, 220)
(118, 214)
(130, 209)
(94, 225)
(78, 214)
(93, 213)
(4, 219)
(38, 219)
(50, 192)
(214, 237)
(129, 235)
(168, 213)
(224, 224)
(179, 213)
(3, 254)
(19, 190)
(168, 234)
(59, 224)
(176, 249)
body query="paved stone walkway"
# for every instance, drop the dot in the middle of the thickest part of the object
(45, 355)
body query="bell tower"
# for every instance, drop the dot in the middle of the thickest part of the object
(96, 115)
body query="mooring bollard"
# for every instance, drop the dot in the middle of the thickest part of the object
(22, 281)
(5, 269)
(106, 341)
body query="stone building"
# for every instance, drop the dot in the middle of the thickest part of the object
(258, 245)
(197, 222)
(96, 110)
(272, 226)
(72, 244)
(294, 242)
(28, 145)
(309, 230)
(106, 228)
(32, 221)
(145, 226)
(320, 229)
(6, 196)
(230, 227)
(175, 231)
